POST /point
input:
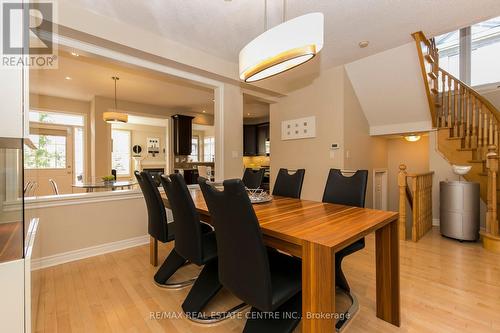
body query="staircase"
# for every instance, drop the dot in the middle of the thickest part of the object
(468, 130)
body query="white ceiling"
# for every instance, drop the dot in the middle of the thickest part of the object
(222, 27)
(92, 77)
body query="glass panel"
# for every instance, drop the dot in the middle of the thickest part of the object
(56, 118)
(485, 67)
(79, 154)
(194, 149)
(11, 200)
(120, 159)
(449, 52)
(50, 152)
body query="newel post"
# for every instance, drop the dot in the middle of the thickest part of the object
(402, 201)
(491, 215)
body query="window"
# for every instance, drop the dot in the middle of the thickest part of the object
(485, 67)
(50, 152)
(120, 157)
(194, 149)
(209, 149)
(449, 52)
(56, 118)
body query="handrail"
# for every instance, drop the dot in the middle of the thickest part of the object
(481, 98)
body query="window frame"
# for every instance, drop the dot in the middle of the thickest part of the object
(54, 127)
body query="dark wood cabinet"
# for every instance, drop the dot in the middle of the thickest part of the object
(254, 139)
(183, 133)
(262, 137)
(249, 140)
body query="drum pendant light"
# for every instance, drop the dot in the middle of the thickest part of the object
(282, 47)
(113, 116)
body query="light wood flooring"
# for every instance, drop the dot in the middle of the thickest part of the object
(446, 286)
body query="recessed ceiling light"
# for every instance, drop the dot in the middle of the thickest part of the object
(364, 44)
(68, 78)
(213, 100)
(248, 114)
(75, 54)
(204, 111)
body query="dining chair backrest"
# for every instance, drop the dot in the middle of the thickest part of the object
(287, 184)
(252, 178)
(243, 261)
(157, 216)
(204, 171)
(346, 190)
(188, 240)
(53, 185)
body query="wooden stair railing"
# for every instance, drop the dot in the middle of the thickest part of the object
(468, 117)
(419, 197)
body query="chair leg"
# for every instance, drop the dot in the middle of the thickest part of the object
(153, 251)
(173, 262)
(340, 279)
(349, 314)
(207, 285)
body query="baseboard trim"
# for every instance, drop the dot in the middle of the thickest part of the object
(62, 258)
(435, 222)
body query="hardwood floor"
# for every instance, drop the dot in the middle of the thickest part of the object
(446, 286)
(11, 241)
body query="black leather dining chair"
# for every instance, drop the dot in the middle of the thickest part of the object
(161, 230)
(350, 191)
(287, 184)
(195, 242)
(263, 278)
(252, 178)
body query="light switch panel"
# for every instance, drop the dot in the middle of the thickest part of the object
(301, 128)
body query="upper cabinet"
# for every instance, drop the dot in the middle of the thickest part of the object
(183, 129)
(262, 139)
(254, 139)
(249, 140)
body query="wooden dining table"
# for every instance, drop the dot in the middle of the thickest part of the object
(314, 231)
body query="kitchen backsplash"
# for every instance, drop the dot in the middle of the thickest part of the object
(256, 161)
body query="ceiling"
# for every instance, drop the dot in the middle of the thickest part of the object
(222, 27)
(91, 77)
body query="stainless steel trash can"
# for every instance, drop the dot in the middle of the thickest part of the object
(459, 210)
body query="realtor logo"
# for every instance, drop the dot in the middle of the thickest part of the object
(27, 34)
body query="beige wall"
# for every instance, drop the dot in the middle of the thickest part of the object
(233, 133)
(91, 223)
(416, 157)
(323, 98)
(361, 150)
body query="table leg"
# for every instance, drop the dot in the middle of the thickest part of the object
(153, 251)
(387, 261)
(318, 288)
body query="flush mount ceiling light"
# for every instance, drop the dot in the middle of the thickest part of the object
(412, 138)
(282, 47)
(113, 116)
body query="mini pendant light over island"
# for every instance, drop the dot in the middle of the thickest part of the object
(282, 47)
(113, 116)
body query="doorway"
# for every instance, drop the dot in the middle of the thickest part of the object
(380, 193)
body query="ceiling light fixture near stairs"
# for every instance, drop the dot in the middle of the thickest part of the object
(282, 47)
(113, 116)
(412, 138)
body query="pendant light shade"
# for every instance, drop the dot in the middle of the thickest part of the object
(113, 116)
(282, 48)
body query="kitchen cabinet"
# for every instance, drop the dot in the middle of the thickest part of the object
(262, 138)
(249, 140)
(254, 139)
(183, 128)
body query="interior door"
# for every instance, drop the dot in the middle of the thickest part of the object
(53, 159)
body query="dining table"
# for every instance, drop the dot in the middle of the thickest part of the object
(114, 185)
(315, 231)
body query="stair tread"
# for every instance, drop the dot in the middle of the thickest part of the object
(466, 149)
(475, 161)
(454, 138)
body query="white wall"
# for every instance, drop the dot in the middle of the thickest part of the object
(391, 91)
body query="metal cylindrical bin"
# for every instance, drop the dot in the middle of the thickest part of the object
(459, 210)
